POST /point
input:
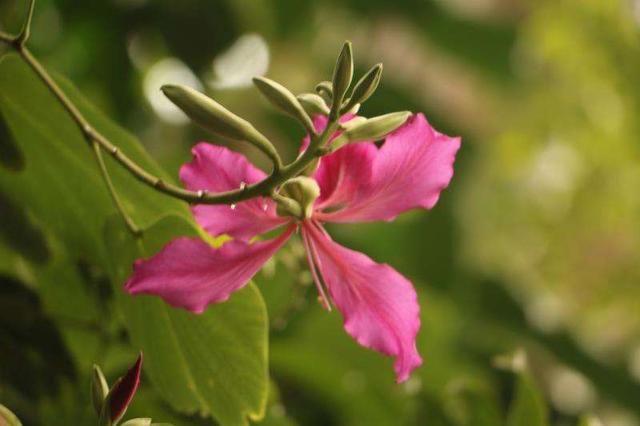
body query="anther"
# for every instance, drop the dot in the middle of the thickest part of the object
(324, 303)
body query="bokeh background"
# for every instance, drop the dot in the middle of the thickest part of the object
(535, 245)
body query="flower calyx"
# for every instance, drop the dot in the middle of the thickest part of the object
(297, 197)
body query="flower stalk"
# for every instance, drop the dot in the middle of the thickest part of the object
(215, 118)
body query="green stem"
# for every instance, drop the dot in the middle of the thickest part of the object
(6, 38)
(263, 188)
(112, 191)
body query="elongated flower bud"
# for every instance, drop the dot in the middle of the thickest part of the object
(284, 100)
(342, 75)
(371, 129)
(313, 104)
(215, 118)
(365, 87)
(99, 389)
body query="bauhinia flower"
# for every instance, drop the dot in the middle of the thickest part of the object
(359, 182)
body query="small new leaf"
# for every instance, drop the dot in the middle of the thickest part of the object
(364, 88)
(371, 129)
(215, 118)
(99, 389)
(342, 76)
(123, 390)
(284, 100)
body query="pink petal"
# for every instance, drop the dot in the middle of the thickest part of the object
(217, 169)
(412, 167)
(342, 174)
(190, 274)
(379, 305)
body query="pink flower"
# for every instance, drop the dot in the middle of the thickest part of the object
(359, 182)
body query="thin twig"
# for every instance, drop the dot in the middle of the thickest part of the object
(264, 188)
(6, 38)
(25, 32)
(135, 230)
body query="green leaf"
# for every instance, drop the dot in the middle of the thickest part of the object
(527, 407)
(60, 183)
(10, 154)
(474, 404)
(215, 363)
(211, 363)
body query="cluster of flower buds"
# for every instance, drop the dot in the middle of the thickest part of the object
(111, 404)
(287, 184)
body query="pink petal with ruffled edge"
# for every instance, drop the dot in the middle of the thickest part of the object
(379, 305)
(412, 167)
(217, 169)
(190, 274)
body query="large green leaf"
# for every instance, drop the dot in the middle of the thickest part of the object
(212, 363)
(60, 183)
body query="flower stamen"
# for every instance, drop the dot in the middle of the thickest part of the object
(310, 253)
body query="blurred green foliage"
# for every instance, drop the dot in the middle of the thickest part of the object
(534, 245)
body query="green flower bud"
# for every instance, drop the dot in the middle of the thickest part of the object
(284, 100)
(8, 418)
(313, 104)
(353, 110)
(287, 207)
(355, 121)
(325, 88)
(342, 75)
(99, 389)
(302, 191)
(215, 118)
(371, 129)
(365, 87)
